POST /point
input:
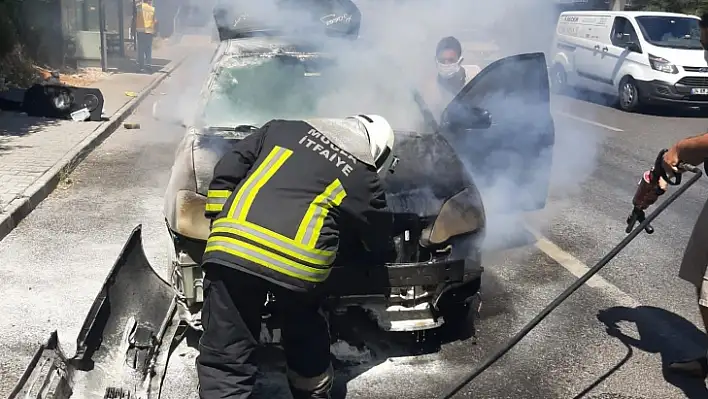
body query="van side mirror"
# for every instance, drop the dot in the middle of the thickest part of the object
(634, 47)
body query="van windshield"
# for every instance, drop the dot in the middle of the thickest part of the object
(674, 32)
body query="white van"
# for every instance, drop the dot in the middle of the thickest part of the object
(642, 57)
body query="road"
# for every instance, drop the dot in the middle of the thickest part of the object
(54, 263)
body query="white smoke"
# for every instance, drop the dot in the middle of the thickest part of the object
(394, 55)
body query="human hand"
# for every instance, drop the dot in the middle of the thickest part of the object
(670, 163)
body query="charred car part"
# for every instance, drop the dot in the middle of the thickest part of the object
(120, 345)
(60, 101)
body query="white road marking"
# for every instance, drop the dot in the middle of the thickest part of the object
(577, 268)
(577, 118)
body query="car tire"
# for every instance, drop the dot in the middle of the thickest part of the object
(558, 79)
(628, 95)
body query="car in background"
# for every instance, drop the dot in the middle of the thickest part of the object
(640, 57)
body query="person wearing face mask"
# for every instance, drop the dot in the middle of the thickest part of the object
(452, 75)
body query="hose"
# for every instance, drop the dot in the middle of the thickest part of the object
(574, 287)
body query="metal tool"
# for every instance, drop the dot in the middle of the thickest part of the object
(649, 183)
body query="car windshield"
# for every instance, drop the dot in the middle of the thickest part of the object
(267, 88)
(674, 32)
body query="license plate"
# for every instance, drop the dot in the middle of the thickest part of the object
(700, 90)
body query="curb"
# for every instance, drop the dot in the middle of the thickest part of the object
(32, 196)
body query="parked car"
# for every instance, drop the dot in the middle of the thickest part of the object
(640, 57)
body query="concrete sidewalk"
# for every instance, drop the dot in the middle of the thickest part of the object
(37, 153)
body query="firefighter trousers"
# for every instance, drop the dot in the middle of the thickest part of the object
(231, 318)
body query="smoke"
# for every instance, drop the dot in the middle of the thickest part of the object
(394, 55)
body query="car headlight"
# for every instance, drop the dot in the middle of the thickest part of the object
(189, 215)
(62, 100)
(461, 214)
(662, 64)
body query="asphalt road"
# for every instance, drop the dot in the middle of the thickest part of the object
(54, 263)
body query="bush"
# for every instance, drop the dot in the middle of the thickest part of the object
(8, 32)
(16, 69)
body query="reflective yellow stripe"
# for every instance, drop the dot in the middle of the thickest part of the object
(309, 231)
(266, 170)
(219, 193)
(214, 207)
(275, 241)
(264, 258)
(302, 248)
(216, 200)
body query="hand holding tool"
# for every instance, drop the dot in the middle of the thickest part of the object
(650, 188)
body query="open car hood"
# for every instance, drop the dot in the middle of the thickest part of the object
(428, 171)
(512, 155)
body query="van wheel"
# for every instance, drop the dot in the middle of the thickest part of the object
(559, 79)
(628, 95)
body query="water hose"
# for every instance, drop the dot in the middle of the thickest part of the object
(574, 287)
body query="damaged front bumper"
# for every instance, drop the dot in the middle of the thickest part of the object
(123, 345)
(405, 296)
(408, 297)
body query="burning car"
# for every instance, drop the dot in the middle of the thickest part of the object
(499, 127)
(432, 194)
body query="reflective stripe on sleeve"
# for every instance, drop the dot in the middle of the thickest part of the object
(216, 200)
(311, 226)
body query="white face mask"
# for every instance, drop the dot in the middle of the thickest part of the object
(449, 70)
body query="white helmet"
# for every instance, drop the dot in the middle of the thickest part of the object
(380, 140)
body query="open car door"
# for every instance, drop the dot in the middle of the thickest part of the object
(501, 127)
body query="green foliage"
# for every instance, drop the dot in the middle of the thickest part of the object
(15, 67)
(695, 7)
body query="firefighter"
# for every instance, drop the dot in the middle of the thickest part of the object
(692, 150)
(279, 203)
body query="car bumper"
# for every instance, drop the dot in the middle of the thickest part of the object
(366, 281)
(665, 93)
(401, 296)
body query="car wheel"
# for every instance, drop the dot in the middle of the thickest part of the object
(628, 95)
(559, 79)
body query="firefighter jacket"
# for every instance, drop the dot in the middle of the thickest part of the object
(281, 198)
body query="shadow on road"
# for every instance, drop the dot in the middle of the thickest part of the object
(609, 101)
(17, 125)
(596, 383)
(646, 319)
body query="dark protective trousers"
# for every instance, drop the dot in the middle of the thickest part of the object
(144, 49)
(231, 318)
